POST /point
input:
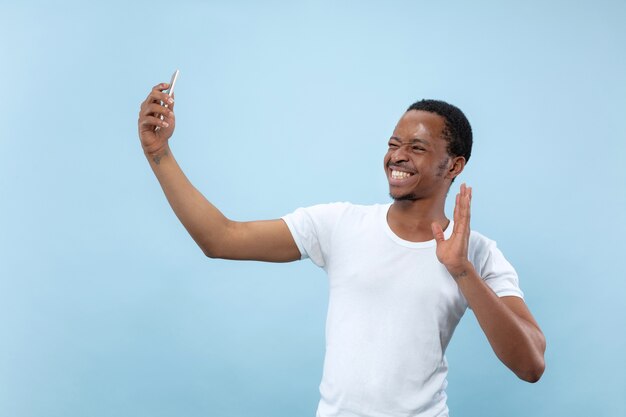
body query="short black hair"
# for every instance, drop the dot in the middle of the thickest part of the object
(457, 131)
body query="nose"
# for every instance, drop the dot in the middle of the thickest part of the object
(399, 155)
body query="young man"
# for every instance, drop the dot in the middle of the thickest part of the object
(401, 275)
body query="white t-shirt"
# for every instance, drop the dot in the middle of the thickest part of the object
(392, 310)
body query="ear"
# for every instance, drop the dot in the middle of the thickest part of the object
(456, 167)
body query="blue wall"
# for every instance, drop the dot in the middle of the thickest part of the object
(107, 307)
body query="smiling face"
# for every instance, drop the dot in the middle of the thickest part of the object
(417, 162)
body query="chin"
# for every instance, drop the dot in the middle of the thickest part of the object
(405, 197)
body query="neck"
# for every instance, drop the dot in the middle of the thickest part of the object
(411, 220)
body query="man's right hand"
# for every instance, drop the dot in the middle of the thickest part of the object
(155, 142)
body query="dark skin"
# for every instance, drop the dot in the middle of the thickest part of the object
(418, 149)
(425, 170)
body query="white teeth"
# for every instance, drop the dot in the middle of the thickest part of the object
(399, 175)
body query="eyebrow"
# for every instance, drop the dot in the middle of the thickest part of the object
(414, 140)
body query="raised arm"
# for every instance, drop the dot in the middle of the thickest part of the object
(217, 236)
(509, 326)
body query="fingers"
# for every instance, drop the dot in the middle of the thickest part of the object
(158, 96)
(464, 200)
(156, 118)
(156, 109)
(149, 122)
(161, 86)
(437, 232)
(456, 215)
(150, 116)
(462, 210)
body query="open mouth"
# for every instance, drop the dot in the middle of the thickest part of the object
(400, 175)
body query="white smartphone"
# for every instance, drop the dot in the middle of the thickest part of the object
(169, 92)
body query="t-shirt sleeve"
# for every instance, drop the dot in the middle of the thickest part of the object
(496, 271)
(312, 228)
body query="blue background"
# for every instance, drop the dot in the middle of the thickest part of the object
(107, 307)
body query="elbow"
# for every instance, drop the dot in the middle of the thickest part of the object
(535, 364)
(213, 245)
(210, 252)
(533, 373)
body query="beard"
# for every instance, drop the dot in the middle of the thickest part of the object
(441, 170)
(405, 197)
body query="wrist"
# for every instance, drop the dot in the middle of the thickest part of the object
(158, 154)
(461, 269)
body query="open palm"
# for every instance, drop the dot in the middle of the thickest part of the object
(452, 253)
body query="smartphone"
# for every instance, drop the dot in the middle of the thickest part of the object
(169, 92)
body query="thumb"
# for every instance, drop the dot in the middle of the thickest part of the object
(437, 232)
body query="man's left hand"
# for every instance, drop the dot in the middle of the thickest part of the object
(452, 253)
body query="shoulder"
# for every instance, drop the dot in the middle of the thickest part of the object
(480, 243)
(342, 208)
(493, 267)
(480, 249)
(332, 215)
(485, 254)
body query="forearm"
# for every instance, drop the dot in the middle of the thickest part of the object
(517, 342)
(204, 222)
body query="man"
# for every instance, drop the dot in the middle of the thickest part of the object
(401, 275)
